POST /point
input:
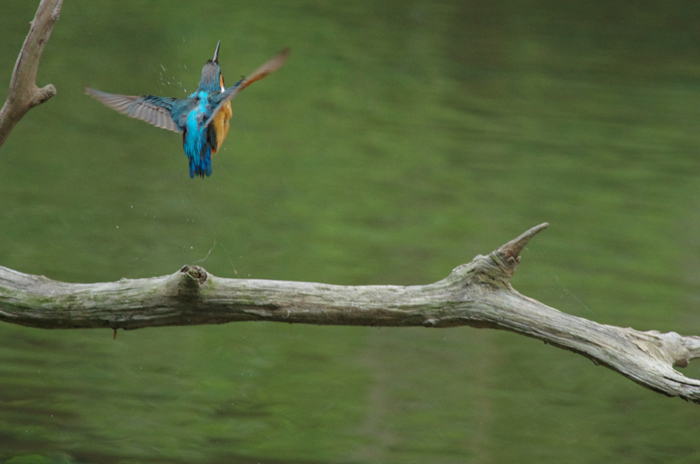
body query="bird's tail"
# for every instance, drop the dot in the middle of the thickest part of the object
(198, 152)
(201, 166)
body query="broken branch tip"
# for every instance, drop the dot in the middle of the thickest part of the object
(511, 250)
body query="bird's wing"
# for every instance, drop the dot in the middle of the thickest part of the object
(267, 68)
(154, 110)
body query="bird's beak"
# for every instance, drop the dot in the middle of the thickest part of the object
(216, 52)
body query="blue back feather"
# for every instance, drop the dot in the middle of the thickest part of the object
(195, 141)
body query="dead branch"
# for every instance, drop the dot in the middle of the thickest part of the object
(24, 93)
(477, 294)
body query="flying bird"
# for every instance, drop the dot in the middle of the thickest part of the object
(202, 118)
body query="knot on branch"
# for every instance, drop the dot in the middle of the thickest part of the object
(189, 285)
(195, 273)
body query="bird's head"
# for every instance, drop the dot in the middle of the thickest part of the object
(212, 80)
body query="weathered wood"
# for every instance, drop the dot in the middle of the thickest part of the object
(24, 93)
(477, 294)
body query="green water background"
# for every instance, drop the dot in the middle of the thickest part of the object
(400, 140)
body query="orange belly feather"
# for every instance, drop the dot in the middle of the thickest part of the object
(221, 120)
(221, 125)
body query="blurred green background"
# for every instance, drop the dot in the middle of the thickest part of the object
(400, 140)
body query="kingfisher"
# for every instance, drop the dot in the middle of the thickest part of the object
(202, 118)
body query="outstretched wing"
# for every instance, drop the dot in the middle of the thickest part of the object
(154, 110)
(267, 68)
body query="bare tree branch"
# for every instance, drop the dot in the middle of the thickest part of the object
(477, 294)
(24, 93)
